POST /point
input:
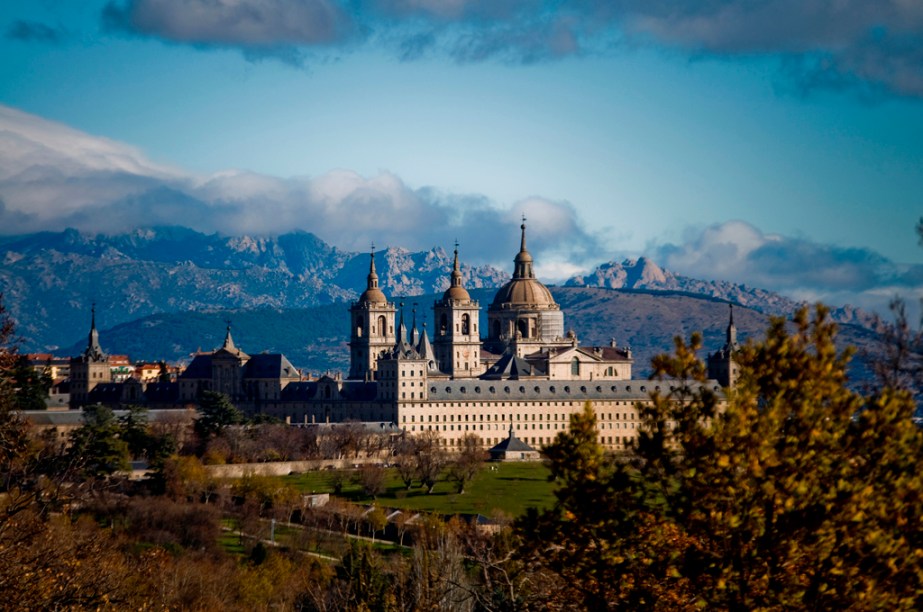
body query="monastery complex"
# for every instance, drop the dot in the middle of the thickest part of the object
(523, 373)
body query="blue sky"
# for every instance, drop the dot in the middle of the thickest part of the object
(776, 143)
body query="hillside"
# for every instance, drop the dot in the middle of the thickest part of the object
(642, 273)
(48, 280)
(315, 338)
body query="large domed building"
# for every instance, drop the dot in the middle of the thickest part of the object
(526, 375)
(524, 316)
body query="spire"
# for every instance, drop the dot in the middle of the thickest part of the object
(522, 244)
(401, 329)
(731, 339)
(523, 259)
(425, 349)
(93, 351)
(456, 271)
(228, 340)
(373, 276)
(414, 334)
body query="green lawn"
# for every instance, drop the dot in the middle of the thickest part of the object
(512, 488)
(230, 542)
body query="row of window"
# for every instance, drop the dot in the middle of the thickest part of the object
(542, 440)
(551, 389)
(518, 417)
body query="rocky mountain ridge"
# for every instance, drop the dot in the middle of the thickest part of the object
(49, 279)
(642, 273)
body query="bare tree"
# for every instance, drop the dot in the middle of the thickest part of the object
(431, 458)
(901, 366)
(469, 460)
(406, 457)
(372, 479)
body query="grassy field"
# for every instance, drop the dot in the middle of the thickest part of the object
(511, 489)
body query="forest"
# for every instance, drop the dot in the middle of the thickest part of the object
(793, 490)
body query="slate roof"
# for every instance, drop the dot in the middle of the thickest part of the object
(201, 367)
(512, 444)
(512, 367)
(351, 390)
(567, 390)
(606, 353)
(269, 365)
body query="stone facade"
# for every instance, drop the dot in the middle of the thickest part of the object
(525, 373)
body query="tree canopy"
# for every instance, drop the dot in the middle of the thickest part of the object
(794, 492)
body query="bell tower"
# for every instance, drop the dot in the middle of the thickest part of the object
(722, 365)
(89, 369)
(457, 342)
(372, 328)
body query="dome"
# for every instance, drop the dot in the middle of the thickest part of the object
(456, 292)
(373, 295)
(523, 292)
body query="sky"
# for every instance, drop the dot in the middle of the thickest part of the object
(776, 143)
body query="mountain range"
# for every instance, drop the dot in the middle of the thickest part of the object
(49, 280)
(315, 338)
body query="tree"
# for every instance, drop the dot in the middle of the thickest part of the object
(217, 414)
(134, 431)
(372, 479)
(796, 493)
(30, 386)
(377, 520)
(431, 458)
(96, 444)
(406, 457)
(467, 462)
(901, 365)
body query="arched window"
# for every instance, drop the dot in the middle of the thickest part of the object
(443, 324)
(381, 325)
(466, 324)
(575, 367)
(523, 327)
(359, 330)
(496, 329)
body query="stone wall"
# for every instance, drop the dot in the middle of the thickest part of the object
(283, 468)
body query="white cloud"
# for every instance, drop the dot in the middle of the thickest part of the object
(58, 177)
(797, 267)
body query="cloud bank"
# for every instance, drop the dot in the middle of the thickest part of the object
(876, 47)
(805, 270)
(53, 177)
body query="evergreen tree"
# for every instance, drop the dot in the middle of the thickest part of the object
(217, 413)
(30, 386)
(796, 493)
(96, 444)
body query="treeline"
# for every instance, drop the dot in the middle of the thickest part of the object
(792, 492)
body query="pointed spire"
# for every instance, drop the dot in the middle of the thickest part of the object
(456, 271)
(414, 334)
(228, 340)
(425, 349)
(373, 276)
(401, 329)
(523, 259)
(522, 244)
(93, 351)
(731, 331)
